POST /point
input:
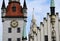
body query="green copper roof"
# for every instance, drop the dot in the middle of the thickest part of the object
(24, 35)
(52, 3)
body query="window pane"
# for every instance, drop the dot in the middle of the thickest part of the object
(18, 39)
(14, 8)
(46, 37)
(9, 30)
(18, 30)
(9, 39)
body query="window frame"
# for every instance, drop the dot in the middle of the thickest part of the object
(46, 37)
(14, 8)
(18, 30)
(18, 39)
(9, 30)
(9, 39)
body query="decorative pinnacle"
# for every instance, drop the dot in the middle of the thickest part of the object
(24, 5)
(52, 3)
(33, 19)
(33, 14)
(24, 35)
(3, 5)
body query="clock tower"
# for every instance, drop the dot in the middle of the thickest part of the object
(14, 19)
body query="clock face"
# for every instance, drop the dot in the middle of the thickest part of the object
(14, 23)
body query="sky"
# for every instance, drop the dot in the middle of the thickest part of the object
(41, 8)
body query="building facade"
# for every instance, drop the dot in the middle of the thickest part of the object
(49, 29)
(14, 19)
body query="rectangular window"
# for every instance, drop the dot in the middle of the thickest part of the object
(18, 39)
(18, 30)
(9, 39)
(14, 8)
(9, 30)
(46, 37)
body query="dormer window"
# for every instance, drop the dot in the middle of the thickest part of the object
(13, 8)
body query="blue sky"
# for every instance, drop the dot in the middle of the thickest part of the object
(41, 7)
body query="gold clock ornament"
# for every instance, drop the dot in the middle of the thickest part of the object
(14, 23)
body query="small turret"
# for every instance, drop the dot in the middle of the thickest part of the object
(3, 5)
(25, 8)
(52, 7)
(24, 5)
(24, 34)
(3, 8)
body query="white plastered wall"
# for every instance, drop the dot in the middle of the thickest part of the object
(57, 27)
(14, 35)
(49, 27)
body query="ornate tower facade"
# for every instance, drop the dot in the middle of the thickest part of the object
(14, 19)
(34, 31)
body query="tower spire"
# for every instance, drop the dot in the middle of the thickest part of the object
(33, 14)
(33, 19)
(33, 23)
(52, 3)
(24, 35)
(3, 5)
(52, 7)
(24, 5)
